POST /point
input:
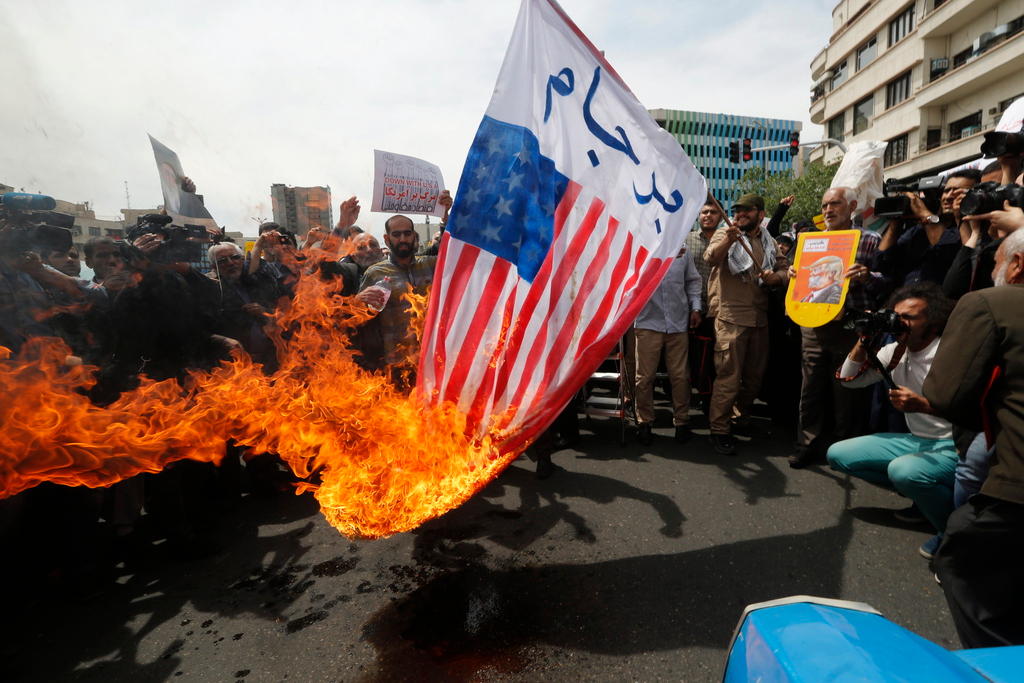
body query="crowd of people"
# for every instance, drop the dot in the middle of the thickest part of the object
(913, 386)
(163, 302)
(926, 402)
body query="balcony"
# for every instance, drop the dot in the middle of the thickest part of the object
(1002, 62)
(953, 15)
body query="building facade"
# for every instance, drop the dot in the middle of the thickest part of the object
(927, 76)
(300, 208)
(706, 137)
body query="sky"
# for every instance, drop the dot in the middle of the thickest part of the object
(301, 92)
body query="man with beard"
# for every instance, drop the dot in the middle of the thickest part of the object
(744, 259)
(977, 380)
(384, 284)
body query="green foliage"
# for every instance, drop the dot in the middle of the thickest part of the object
(808, 189)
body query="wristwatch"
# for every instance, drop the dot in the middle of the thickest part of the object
(933, 219)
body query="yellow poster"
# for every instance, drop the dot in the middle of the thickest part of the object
(817, 293)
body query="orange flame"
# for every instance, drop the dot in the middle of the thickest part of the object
(382, 462)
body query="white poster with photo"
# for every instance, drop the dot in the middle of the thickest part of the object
(182, 206)
(404, 184)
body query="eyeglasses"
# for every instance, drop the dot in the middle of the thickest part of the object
(224, 260)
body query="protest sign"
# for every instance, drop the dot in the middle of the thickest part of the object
(817, 293)
(404, 184)
(183, 207)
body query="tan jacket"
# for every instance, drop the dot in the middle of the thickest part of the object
(733, 299)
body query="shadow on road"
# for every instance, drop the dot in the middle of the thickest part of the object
(472, 619)
(60, 636)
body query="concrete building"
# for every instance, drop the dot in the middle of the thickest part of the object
(927, 76)
(300, 208)
(706, 137)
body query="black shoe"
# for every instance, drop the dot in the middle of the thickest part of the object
(742, 427)
(683, 434)
(801, 459)
(723, 444)
(911, 515)
(643, 434)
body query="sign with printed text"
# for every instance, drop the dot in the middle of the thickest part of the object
(817, 294)
(404, 184)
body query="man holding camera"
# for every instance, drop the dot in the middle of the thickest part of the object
(919, 465)
(926, 250)
(744, 260)
(978, 380)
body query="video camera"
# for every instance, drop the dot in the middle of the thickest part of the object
(873, 326)
(895, 205)
(29, 223)
(986, 197)
(998, 142)
(180, 243)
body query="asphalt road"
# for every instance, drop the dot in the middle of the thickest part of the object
(631, 564)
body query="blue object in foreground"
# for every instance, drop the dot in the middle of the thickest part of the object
(809, 640)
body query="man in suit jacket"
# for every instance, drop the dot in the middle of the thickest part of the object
(977, 381)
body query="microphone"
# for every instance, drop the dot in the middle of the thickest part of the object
(23, 201)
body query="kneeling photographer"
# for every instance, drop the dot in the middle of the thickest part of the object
(919, 465)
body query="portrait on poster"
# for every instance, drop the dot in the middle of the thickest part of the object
(817, 292)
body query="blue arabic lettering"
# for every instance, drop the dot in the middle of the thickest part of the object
(563, 88)
(677, 198)
(600, 133)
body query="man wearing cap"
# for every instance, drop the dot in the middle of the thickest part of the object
(744, 259)
(829, 412)
(825, 281)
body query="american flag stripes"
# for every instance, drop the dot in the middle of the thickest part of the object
(570, 208)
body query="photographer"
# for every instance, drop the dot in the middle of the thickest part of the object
(919, 465)
(924, 251)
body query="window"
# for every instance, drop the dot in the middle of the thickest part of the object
(968, 125)
(934, 138)
(837, 126)
(862, 112)
(897, 91)
(895, 151)
(838, 75)
(960, 58)
(1005, 104)
(866, 53)
(94, 232)
(901, 26)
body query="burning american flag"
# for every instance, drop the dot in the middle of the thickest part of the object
(571, 207)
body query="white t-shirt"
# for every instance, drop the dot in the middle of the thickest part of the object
(910, 373)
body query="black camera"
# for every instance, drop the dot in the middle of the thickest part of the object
(181, 242)
(895, 205)
(877, 323)
(990, 196)
(998, 142)
(28, 223)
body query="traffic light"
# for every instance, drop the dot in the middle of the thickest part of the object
(748, 154)
(794, 143)
(734, 151)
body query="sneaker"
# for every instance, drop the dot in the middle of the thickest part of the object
(643, 434)
(911, 515)
(800, 459)
(723, 444)
(683, 433)
(929, 547)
